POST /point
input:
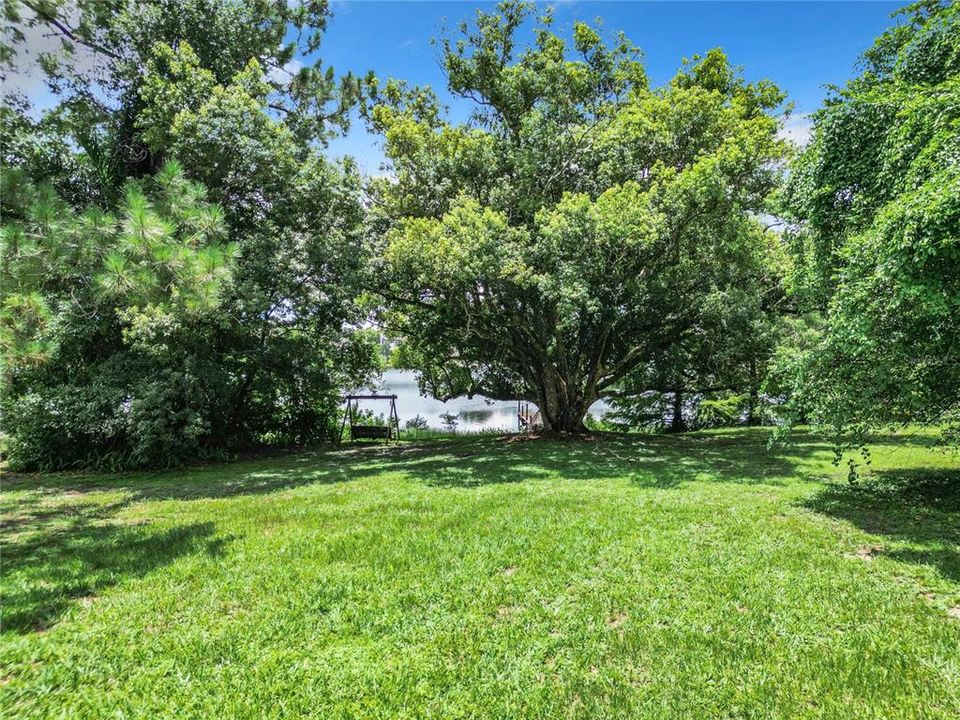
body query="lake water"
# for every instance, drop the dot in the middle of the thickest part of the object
(473, 414)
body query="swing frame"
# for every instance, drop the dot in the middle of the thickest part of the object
(388, 432)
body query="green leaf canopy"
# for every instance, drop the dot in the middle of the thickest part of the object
(578, 224)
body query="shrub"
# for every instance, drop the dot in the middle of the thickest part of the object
(416, 423)
(64, 426)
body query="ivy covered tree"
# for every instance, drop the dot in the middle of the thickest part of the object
(579, 225)
(875, 200)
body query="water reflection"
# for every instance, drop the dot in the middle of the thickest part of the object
(476, 417)
(473, 414)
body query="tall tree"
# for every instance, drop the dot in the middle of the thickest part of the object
(226, 89)
(99, 62)
(296, 218)
(723, 356)
(876, 202)
(579, 223)
(90, 302)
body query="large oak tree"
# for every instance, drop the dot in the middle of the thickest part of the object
(579, 224)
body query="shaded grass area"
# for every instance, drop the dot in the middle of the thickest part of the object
(701, 575)
(915, 511)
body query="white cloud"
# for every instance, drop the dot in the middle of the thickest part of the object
(798, 128)
(25, 75)
(340, 7)
(283, 74)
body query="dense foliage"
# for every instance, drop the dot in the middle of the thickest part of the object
(184, 273)
(96, 322)
(876, 200)
(207, 84)
(582, 227)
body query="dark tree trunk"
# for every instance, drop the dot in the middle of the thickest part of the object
(567, 420)
(677, 423)
(231, 429)
(562, 404)
(754, 400)
(752, 417)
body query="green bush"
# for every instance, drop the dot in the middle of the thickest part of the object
(64, 426)
(164, 425)
(418, 422)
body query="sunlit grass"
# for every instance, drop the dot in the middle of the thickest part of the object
(652, 577)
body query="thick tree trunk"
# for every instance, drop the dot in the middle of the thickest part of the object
(566, 420)
(562, 404)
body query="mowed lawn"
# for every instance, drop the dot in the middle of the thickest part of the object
(695, 576)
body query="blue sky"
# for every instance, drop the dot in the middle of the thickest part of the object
(800, 45)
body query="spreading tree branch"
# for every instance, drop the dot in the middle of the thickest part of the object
(70, 33)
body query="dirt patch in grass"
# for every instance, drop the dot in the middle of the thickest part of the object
(866, 553)
(615, 621)
(546, 435)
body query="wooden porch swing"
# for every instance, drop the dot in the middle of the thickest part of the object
(388, 432)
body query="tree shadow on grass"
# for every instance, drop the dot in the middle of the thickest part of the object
(658, 461)
(661, 461)
(197, 482)
(62, 540)
(919, 508)
(654, 461)
(55, 554)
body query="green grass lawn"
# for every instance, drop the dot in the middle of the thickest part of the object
(695, 576)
